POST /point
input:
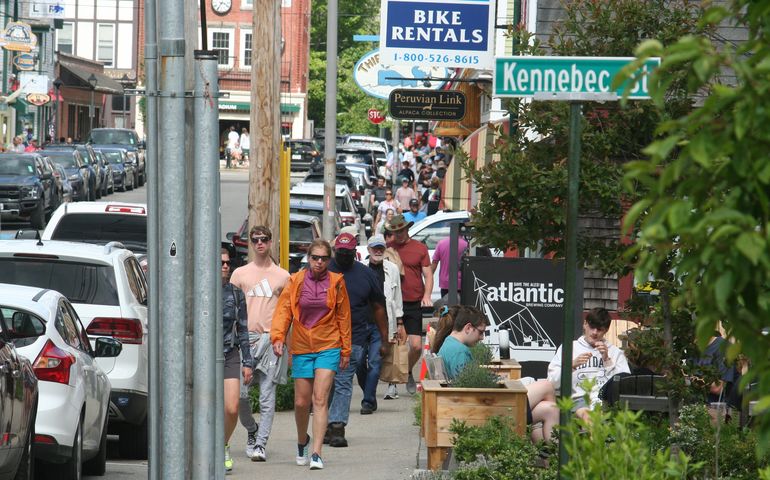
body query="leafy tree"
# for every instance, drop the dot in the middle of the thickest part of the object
(705, 207)
(356, 17)
(527, 188)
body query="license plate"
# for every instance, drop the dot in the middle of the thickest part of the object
(296, 157)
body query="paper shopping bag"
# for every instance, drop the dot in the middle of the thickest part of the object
(395, 365)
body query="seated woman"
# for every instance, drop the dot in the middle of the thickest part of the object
(461, 327)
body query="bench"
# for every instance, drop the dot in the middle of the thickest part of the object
(638, 392)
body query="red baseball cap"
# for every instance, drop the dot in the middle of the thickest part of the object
(345, 241)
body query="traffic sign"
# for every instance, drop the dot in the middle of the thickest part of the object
(376, 116)
(408, 104)
(575, 78)
(449, 33)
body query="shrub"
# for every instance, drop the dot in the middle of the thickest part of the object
(473, 375)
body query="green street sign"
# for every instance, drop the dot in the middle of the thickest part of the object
(566, 78)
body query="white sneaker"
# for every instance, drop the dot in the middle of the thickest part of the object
(391, 393)
(303, 453)
(251, 443)
(316, 463)
(259, 454)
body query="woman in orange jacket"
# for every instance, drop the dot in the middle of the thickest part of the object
(315, 303)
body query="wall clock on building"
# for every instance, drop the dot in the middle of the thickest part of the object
(221, 6)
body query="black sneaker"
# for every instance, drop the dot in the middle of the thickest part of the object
(366, 410)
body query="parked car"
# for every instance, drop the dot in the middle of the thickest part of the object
(66, 186)
(350, 212)
(366, 141)
(123, 171)
(74, 392)
(314, 208)
(108, 184)
(122, 138)
(100, 223)
(89, 158)
(304, 154)
(356, 154)
(18, 402)
(303, 229)
(27, 187)
(78, 173)
(57, 180)
(108, 291)
(342, 177)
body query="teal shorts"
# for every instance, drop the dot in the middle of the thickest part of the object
(305, 364)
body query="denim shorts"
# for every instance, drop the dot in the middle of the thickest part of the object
(304, 365)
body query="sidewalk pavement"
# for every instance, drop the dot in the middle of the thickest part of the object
(382, 446)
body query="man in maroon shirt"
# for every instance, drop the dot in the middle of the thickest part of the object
(416, 287)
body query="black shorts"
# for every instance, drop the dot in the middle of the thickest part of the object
(412, 318)
(233, 364)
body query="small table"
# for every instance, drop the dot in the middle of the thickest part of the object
(507, 369)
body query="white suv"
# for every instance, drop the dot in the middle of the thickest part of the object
(344, 200)
(107, 288)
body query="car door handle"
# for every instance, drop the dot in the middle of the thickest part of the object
(15, 373)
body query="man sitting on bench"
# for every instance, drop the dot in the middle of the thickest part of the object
(592, 359)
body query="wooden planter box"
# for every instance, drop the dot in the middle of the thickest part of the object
(507, 369)
(473, 405)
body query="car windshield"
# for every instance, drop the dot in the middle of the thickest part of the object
(66, 160)
(17, 166)
(339, 203)
(112, 137)
(301, 147)
(130, 230)
(300, 232)
(113, 157)
(79, 282)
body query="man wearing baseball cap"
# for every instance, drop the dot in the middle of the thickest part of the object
(414, 214)
(368, 324)
(416, 287)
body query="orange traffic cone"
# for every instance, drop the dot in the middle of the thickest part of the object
(424, 366)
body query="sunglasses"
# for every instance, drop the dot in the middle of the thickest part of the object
(256, 240)
(388, 193)
(319, 258)
(225, 262)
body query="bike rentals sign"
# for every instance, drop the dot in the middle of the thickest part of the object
(579, 77)
(450, 33)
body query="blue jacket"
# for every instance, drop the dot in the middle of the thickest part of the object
(235, 323)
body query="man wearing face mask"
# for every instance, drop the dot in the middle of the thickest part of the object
(368, 324)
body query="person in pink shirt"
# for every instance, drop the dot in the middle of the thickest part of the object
(441, 262)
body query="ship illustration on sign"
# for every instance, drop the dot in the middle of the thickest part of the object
(378, 80)
(529, 341)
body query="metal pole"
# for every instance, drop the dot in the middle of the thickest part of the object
(173, 243)
(570, 270)
(91, 112)
(330, 145)
(396, 162)
(283, 217)
(206, 281)
(153, 233)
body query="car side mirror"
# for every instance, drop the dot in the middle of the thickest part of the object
(107, 347)
(24, 325)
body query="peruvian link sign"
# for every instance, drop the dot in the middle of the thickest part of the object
(449, 33)
(578, 76)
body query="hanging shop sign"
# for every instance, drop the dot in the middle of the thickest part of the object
(24, 61)
(378, 80)
(18, 36)
(38, 99)
(408, 104)
(526, 297)
(449, 33)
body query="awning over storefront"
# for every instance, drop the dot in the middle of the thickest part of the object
(76, 76)
(228, 106)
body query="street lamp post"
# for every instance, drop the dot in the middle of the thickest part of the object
(57, 88)
(92, 80)
(124, 81)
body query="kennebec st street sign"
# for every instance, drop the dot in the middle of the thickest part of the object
(582, 77)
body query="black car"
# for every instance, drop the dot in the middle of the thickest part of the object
(304, 154)
(108, 185)
(123, 171)
(27, 187)
(77, 170)
(18, 403)
(122, 138)
(89, 158)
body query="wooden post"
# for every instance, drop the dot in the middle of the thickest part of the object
(265, 127)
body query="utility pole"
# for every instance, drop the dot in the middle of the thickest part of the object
(330, 124)
(265, 131)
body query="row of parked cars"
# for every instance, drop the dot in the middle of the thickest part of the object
(73, 342)
(34, 184)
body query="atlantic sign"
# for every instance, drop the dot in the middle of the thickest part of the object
(528, 76)
(378, 80)
(407, 104)
(450, 33)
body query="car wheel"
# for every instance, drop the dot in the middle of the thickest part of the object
(98, 465)
(91, 193)
(73, 468)
(37, 218)
(26, 470)
(133, 441)
(141, 180)
(123, 184)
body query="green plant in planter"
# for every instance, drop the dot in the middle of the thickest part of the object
(473, 374)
